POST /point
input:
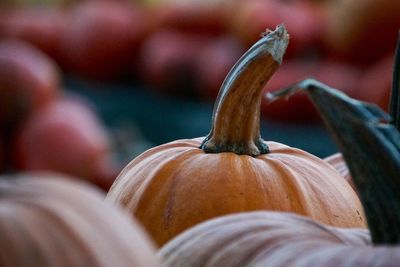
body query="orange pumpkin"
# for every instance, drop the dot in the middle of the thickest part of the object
(176, 185)
(47, 219)
(371, 147)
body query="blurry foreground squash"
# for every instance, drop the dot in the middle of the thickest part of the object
(47, 220)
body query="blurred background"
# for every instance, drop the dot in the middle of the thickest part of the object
(85, 86)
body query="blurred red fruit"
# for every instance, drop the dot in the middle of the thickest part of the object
(66, 136)
(190, 16)
(42, 27)
(102, 39)
(29, 80)
(362, 31)
(305, 22)
(376, 83)
(168, 61)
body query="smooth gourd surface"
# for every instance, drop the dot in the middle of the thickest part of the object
(176, 185)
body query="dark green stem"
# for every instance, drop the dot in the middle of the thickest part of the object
(371, 148)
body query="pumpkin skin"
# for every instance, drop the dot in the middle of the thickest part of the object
(176, 185)
(273, 239)
(47, 219)
(338, 162)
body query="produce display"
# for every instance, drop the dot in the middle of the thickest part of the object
(199, 133)
(184, 50)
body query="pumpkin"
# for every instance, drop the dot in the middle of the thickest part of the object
(174, 186)
(371, 147)
(49, 220)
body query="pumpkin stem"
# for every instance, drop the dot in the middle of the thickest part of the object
(394, 97)
(370, 145)
(236, 115)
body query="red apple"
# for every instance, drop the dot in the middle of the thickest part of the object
(298, 107)
(102, 38)
(168, 61)
(29, 80)
(67, 136)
